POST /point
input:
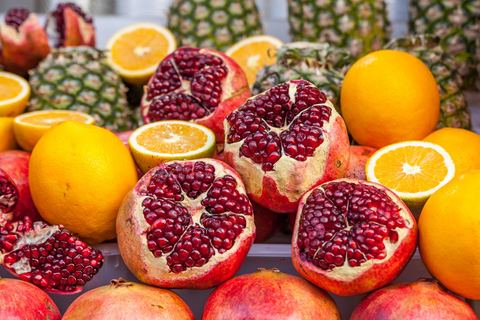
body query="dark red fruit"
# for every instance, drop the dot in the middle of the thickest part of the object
(16, 16)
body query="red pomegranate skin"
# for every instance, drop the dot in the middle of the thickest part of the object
(359, 156)
(365, 220)
(127, 300)
(422, 299)
(269, 294)
(23, 300)
(15, 164)
(267, 222)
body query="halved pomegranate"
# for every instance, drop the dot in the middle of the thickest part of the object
(187, 224)
(68, 25)
(284, 142)
(24, 41)
(196, 84)
(352, 236)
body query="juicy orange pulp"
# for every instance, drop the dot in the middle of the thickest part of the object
(10, 88)
(49, 119)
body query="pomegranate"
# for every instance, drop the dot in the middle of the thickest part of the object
(359, 156)
(422, 299)
(187, 224)
(127, 300)
(68, 25)
(15, 163)
(269, 294)
(24, 41)
(352, 236)
(50, 257)
(22, 300)
(197, 84)
(267, 222)
(284, 142)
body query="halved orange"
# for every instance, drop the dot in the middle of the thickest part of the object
(159, 142)
(14, 94)
(136, 50)
(253, 53)
(29, 127)
(414, 170)
(7, 138)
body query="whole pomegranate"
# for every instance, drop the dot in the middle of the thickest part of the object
(22, 300)
(186, 224)
(196, 84)
(352, 236)
(422, 299)
(359, 156)
(48, 256)
(284, 142)
(269, 294)
(267, 222)
(127, 300)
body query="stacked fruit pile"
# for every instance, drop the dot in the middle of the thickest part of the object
(367, 152)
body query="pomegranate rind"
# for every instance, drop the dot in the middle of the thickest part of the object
(372, 274)
(24, 48)
(359, 156)
(132, 241)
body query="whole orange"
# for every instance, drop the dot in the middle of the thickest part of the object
(79, 175)
(462, 145)
(449, 233)
(387, 97)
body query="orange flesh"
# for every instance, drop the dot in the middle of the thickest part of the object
(411, 169)
(172, 138)
(49, 119)
(9, 88)
(139, 49)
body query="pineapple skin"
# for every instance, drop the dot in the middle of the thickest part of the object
(79, 79)
(215, 24)
(361, 26)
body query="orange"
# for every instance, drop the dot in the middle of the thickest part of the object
(14, 94)
(158, 142)
(136, 50)
(7, 137)
(29, 127)
(462, 145)
(253, 53)
(449, 235)
(387, 97)
(79, 174)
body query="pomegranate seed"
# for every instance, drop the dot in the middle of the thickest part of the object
(16, 16)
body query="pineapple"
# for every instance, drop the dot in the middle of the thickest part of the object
(361, 26)
(453, 105)
(457, 23)
(321, 64)
(215, 24)
(79, 78)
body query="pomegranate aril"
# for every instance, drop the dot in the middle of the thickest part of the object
(16, 16)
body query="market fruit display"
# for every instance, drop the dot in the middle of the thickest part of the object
(186, 224)
(269, 294)
(196, 84)
(128, 300)
(359, 26)
(213, 24)
(352, 236)
(422, 299)
(285, 141)
(22, 300)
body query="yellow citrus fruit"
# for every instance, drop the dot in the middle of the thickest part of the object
(136, 50)
(253, 53)
(29, 127)
(158, 142)
(79, 174)
(462, 145)
(7, 137)
(14, 94)
(414, 170)
(449, 235)
(387, 97)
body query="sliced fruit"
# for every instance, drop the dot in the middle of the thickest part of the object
(254, 53)
(414, 170)
(30, 126)
(163, 141)
(14, 94)
(7, 138)
(136, 50)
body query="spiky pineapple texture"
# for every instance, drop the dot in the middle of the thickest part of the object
(454, 111)
(215, 24)
(79, 78)
(361, 26)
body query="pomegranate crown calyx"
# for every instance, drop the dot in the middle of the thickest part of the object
(120, 282)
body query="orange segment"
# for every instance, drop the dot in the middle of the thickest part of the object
(14, 94)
